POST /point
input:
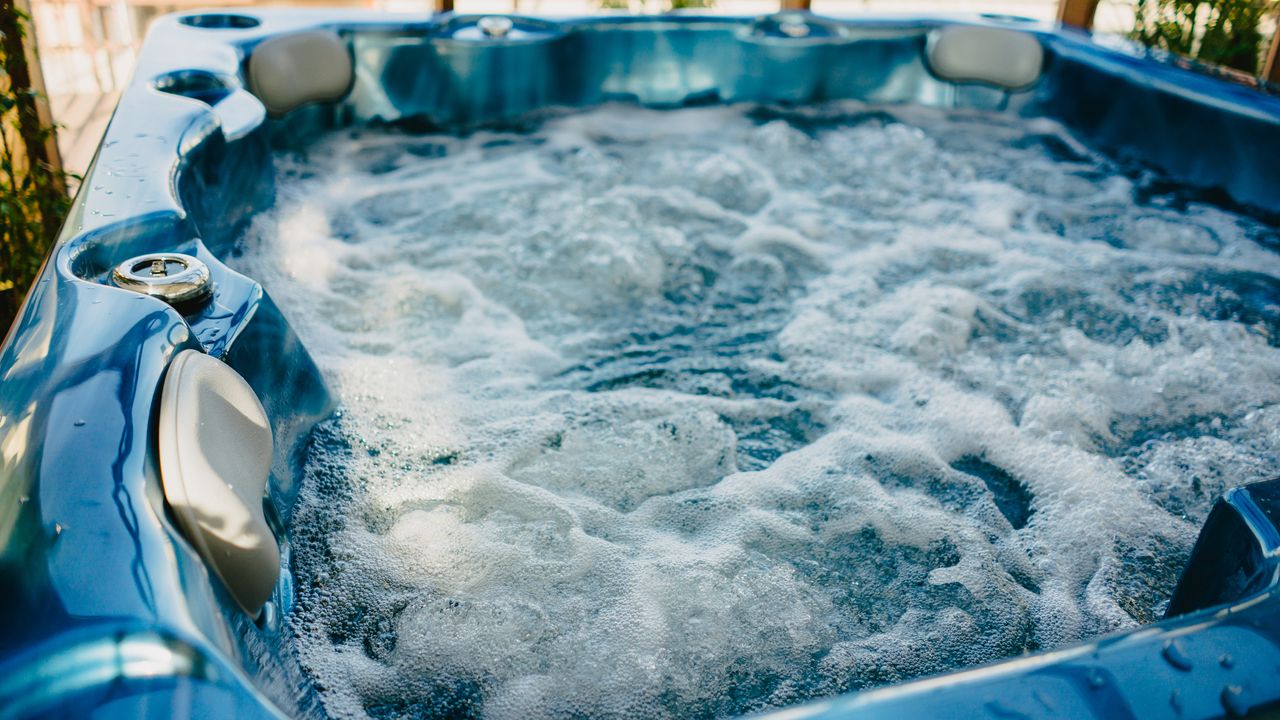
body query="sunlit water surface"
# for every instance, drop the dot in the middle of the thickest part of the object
(694, 413)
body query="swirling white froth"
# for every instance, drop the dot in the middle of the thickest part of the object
(693, 413)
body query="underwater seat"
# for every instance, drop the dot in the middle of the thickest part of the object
(215, 448)
(288, 71)
(1010, 59)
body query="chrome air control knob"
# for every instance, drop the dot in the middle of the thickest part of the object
(173, 277)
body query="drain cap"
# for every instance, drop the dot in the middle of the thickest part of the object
(172, 277)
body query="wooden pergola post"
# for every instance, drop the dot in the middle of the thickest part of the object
(1271, 65)
(1077, 13)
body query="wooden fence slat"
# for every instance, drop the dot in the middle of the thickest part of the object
(1271, 65)
(35, 82)
(1077, 13)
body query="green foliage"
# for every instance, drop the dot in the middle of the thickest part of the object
(1221, 32)
(691, 4)
(33, 197)
(671, 4)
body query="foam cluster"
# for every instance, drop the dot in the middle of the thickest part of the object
(702, 412)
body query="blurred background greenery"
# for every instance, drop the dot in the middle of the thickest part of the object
(1219, 32)
(33, 187)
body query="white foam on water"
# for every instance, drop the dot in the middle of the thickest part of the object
(693, 413)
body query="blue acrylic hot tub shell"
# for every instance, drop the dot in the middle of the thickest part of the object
(109, 611)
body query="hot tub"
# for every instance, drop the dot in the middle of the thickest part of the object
(152, 395)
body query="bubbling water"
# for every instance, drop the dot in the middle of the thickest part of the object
(701, 412)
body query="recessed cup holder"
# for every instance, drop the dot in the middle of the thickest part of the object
(209, 88)
(220, 21)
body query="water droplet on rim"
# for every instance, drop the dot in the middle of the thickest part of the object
(1176, 655)
(1233, 701)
